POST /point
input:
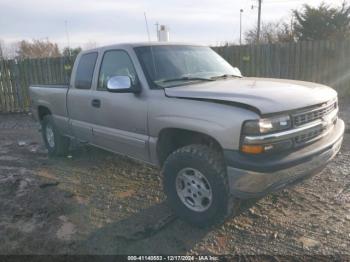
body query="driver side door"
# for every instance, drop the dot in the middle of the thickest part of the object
(120, 121)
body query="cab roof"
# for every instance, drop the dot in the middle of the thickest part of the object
(139, 44)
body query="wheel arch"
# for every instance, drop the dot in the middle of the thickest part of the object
(171, 139)
(43, 111)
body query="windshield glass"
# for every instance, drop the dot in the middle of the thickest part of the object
(172, 65)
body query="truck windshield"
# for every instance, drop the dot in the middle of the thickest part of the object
(174, 65)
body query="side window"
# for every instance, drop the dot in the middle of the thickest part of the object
(115, 63)
(85, 71)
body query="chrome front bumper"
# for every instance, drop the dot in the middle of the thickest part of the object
(246, 183)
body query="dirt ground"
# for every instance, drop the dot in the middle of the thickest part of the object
(93, 202)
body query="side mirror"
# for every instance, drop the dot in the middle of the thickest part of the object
(121, 84)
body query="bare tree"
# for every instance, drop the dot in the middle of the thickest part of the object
(90, 45)
(37, 49)
(10, 50)
(1, 49)
(273, 32)
(71, 51)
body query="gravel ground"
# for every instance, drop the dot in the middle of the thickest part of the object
(98, 203)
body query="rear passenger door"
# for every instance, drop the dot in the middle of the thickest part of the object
(120, 122)
(79, 98)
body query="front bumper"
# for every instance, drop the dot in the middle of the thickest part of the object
(251, 177)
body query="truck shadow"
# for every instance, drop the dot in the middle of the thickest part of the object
(151, 231)
(154, 230)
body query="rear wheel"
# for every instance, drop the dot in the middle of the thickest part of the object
(56, 144)
(196, 186)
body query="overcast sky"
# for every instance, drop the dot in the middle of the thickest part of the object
(114, 21)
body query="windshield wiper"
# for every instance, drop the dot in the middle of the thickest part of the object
(186, 78)
(223, 76)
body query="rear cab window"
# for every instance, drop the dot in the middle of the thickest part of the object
(85, 71)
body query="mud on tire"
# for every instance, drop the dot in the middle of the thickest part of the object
(210, 164)
(56, 144)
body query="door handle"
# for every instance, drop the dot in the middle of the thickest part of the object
(96, 103)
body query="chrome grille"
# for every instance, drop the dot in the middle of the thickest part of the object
(308, 137)
(313, 114)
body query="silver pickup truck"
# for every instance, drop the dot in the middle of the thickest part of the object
(218, 137)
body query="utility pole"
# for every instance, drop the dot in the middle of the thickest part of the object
(147, 29)
(67, 35)
(292, 28)
(157, 29)
(240, 26)
(259, 21)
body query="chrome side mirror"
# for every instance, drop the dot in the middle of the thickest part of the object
(119, 84)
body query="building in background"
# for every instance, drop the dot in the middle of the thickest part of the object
(163, 34)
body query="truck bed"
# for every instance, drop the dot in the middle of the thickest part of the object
(52, 97)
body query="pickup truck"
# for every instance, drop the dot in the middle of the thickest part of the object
(217, 137)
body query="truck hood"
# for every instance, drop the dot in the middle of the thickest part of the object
(263, 94)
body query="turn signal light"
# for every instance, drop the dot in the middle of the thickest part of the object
(252, 149)
(267, 148)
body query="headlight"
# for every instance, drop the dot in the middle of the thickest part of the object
(266, 125)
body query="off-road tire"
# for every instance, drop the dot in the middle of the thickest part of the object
(211, 164)
(61, 143)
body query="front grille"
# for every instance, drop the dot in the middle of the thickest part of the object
(311, 115)
(308, 137)
(303, 118)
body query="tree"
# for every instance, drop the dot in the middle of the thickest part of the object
(273, 32)
(71, 51)
(1, 49)
(37, 49)
(322, 22)
(5, 50)
(90, 45)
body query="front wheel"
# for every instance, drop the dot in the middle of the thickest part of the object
(196, 186)
(56, 144)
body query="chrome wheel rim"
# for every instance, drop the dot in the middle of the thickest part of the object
(194, 189)
(50, 136)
